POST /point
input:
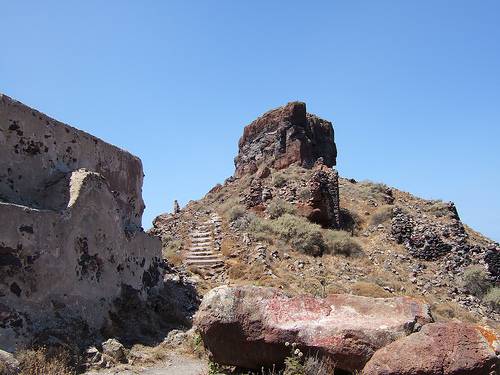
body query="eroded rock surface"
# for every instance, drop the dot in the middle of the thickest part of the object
(439, 349)
(284, 136)
(71, 236)
(323, 207)
(249, 326)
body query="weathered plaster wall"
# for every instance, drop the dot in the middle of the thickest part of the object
(36, 152)
(67, 248)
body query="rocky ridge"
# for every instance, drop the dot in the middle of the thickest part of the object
(390, 244)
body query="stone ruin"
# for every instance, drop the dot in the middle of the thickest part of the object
(71, 239)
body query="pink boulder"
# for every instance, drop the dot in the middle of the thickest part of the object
(248, 326)
(439, 349)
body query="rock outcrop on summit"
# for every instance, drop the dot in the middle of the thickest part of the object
(285, 136)
(71, 239)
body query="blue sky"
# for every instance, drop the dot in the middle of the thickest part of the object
(413, 87)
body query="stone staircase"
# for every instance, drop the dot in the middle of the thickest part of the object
(205, 247)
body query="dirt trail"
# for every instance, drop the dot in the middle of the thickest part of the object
(175, 364)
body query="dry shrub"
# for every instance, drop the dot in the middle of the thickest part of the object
(366, 289)
(279, 179)
(381, 215)
(301, 234)
(350, 220)
(438, 208)
(227, 246)
(236, 212)
(171, 251)
(42, 361)
(341, 243)
(236, 271)
(492, 298)
(279, 207)
(4, 370)
(314, 365)
(373, 190)
(475, 280)
(142, 354)
(450, 310)
(304, 194)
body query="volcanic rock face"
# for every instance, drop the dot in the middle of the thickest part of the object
(284, 136)
(324, 205)
(71, 237)
(438, 349)
(249, 326)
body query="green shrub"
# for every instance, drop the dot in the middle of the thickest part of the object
(236, 212)
(492, 298)
(294, 363)
(341, 243)
(305, 194)
(261, 229)
(438, 208)
(350, 220)
(475, 281)
(381, 215)
(279, 207)
(302, 235)
(279, 180)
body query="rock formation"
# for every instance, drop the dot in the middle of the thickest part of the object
(71, 237)
(249, 326)
(284, 136)
(323, 207)
(439, 349)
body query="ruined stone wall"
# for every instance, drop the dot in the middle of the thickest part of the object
(38, 152)
(70, 238)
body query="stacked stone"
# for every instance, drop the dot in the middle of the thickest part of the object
(492, 259)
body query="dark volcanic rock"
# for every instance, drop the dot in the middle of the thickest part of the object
(438, 349)
(323, 206)
(249, 326)
(285, 136)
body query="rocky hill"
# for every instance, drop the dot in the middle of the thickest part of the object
(285, 266)
(290, 222)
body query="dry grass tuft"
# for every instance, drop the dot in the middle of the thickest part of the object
(381, 215)
(366, 289)
(446, 311)
(42, 361)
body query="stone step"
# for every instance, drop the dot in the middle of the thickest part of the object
(198, 247)
(208, 252)
(201, 235)
(201, 244)
(202, 239)
(202, 262)
(206, 257)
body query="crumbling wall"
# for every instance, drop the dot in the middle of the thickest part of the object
(70, 238)
(37, 153)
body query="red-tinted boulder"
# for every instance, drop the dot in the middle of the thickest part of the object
(248, 326)
(454, 348)
(284, 136)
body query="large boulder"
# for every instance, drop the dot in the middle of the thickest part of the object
(453, 348)
(284, 136)
(71, 236)
(248, 326)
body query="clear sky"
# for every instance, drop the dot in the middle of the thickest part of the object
(413, 87)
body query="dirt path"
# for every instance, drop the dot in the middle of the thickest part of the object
(175, 364)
